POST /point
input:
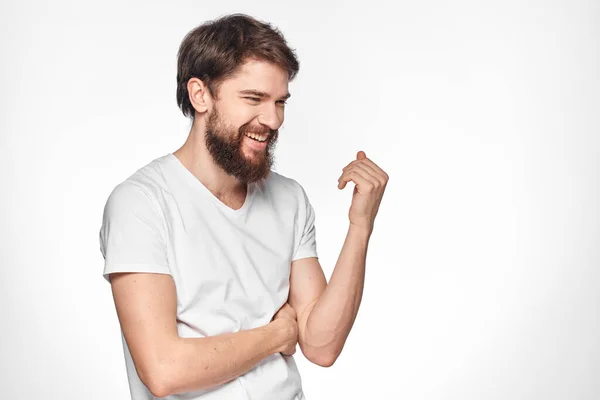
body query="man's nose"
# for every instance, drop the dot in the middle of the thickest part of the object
(270, 117)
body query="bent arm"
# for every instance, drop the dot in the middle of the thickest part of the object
(327, 311)
(168, 364)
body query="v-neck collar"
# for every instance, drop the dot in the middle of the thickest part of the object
(195, 182)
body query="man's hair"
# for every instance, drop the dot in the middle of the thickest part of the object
(213, 51)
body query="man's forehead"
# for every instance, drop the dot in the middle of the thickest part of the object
(261, 76)
(252, 65)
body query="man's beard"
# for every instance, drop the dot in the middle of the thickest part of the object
(225, 147)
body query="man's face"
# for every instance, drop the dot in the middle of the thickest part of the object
(242, 127)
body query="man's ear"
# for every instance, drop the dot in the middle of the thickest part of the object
(199, 95)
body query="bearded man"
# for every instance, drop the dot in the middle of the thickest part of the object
(211, 255)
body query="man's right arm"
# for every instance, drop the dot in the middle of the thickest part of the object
(167, 364)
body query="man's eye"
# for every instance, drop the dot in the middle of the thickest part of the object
(282, 102)
(252, 98)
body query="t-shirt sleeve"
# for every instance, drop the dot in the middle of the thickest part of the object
(132, 235)
(307, 246)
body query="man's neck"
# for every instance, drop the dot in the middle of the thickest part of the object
(194, 155)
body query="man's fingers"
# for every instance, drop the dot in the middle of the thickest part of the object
(286, 311)
(377, 177)
(375, 167)
(360, 177)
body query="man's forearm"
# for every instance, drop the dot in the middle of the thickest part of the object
(331, 318)
(195, 364)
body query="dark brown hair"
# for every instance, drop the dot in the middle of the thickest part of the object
(214, 50)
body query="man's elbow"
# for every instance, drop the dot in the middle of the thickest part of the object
(156, 380)
(161, 373)
(164, 379)
(321, 357)
(325, 362)
(159, 391)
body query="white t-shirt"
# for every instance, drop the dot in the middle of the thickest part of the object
(231, 267)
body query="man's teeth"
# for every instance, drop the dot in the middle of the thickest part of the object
(260, 138)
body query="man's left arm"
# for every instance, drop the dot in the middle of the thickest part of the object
(326, 312)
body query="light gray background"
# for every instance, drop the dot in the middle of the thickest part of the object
(482, 277)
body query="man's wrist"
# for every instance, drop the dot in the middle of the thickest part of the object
(363, 231)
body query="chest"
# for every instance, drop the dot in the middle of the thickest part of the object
(234, 269)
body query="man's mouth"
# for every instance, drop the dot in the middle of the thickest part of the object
(257, 137)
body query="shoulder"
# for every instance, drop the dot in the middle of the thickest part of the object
(280, 185)
(286, 193)
(141, 188)
(152, 177)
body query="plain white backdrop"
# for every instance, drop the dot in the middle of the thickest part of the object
(483, 271)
